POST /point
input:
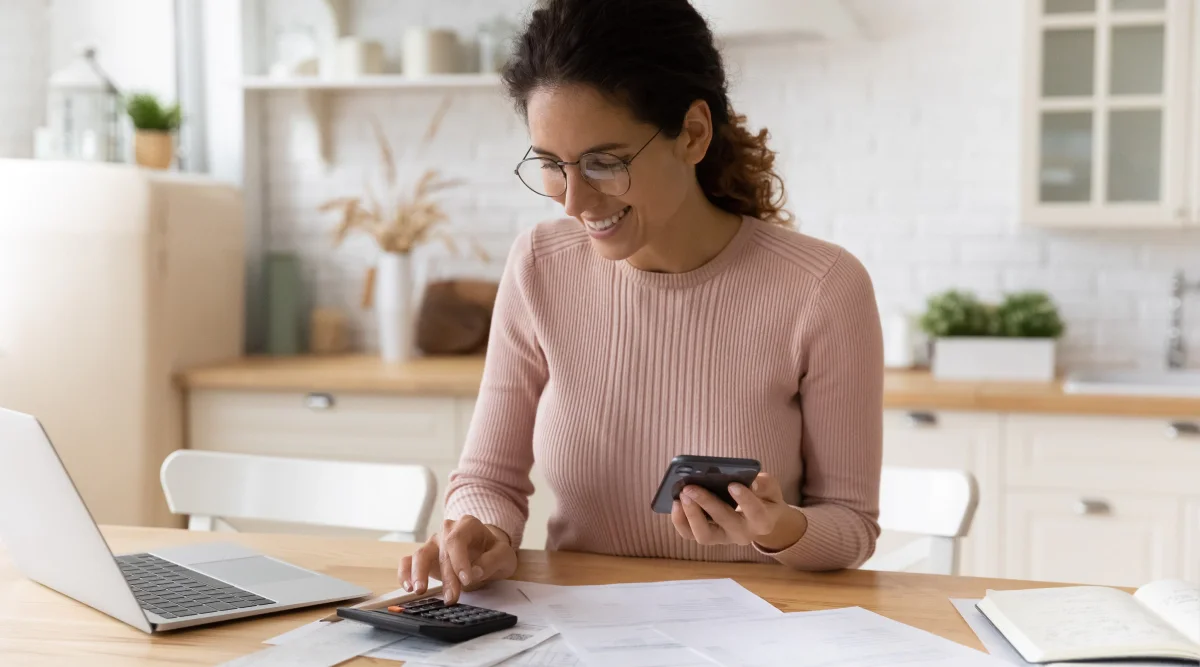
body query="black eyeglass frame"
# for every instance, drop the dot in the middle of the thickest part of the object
(563, 164)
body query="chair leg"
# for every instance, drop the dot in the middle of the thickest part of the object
(943, 555)
(203, 523)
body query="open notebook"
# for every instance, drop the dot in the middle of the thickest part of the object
(1161, 620)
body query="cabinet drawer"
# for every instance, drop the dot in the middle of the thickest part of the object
(1094, 537)
(363, 427)
(1138, 455)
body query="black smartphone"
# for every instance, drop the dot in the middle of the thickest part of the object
(714, 473)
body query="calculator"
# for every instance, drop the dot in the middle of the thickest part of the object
(432, 617)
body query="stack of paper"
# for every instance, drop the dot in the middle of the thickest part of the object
(699, 623)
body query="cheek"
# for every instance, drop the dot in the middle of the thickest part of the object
(658, 191)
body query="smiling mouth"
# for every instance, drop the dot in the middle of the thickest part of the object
(609, 222)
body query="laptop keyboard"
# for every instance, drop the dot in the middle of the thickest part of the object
(174, 591)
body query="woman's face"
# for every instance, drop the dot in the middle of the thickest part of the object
(566, 122)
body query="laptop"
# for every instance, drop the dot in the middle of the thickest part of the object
(51, 537)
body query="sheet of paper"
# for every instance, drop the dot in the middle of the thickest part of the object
(999, 647)
(568, 607)
(491, 649)
(324, 646)
(850, 637)
(553, 652)
(1176, 602)
(631, 646)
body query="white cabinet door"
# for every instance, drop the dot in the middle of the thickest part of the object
(1105, 113)
(1191, 540)
(1113, 539)
(962, 440)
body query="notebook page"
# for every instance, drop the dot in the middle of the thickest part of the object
(1080, 622)
(1176, 602)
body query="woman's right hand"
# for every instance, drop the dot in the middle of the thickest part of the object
(465, 555)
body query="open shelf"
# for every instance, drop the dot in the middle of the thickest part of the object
(374, 82)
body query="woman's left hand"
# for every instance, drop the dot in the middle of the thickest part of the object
(762, 517)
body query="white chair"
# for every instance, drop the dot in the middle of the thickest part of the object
(211, 486)
(933, 503)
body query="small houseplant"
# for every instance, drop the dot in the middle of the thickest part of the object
(155, 125)
(1013, 340)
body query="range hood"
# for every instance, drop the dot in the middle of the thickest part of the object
(739, 20)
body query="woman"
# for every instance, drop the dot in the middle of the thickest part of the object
(672, 313)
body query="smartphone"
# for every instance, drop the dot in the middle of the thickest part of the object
(714, 473)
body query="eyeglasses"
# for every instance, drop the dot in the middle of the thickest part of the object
(605, 172)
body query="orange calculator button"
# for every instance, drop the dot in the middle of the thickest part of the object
(396, 608)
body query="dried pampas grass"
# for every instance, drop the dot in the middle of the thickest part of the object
(403, 221)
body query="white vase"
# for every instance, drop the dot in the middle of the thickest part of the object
(394, 306)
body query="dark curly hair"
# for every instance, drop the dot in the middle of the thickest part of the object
(655, 57)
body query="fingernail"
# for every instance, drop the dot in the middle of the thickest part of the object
(737, 489)
(477, 572)
(690, 494)
(406, 586)
(755, 485)
(420, 587)
(464, 577)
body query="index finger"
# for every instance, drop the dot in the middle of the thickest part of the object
(457, 548)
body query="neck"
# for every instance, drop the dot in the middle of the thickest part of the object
(696, 234)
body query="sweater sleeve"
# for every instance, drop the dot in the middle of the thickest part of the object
(491, 481)
(841, 398)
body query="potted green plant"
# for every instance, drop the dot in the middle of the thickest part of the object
(155, 125)
(1013, 340)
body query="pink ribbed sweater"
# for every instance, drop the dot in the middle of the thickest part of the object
(603, 373)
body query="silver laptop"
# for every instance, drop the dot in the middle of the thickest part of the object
(50, 536)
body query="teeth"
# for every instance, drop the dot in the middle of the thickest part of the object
(601, 225)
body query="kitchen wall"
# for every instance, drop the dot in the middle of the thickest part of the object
(24, 31)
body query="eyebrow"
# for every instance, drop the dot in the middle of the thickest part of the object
(594, 149)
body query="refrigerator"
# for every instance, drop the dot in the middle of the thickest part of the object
(112, 280)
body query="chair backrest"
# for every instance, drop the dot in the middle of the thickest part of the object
(938, 504)
(396, 499)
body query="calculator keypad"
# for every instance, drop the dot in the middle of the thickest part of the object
(435, 609)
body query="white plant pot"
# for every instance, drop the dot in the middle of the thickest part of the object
(987, 358)
(394, 307)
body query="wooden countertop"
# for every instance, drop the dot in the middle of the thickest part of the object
(459, 377)
(39, 627)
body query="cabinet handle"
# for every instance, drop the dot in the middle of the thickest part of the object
(1183, 430)
(1092, 507)
(918, 418)
(319, 401)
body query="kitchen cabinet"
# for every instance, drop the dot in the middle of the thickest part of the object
(1191, 540)
(1088, 536)
(1105, 113)
(946, 439)
(1111, 453)
(424, 430)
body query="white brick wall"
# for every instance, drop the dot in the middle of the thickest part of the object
(903, 148)
(24, 31)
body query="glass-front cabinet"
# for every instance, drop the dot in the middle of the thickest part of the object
(1105, 113)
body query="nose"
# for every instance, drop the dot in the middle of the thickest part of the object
(579, 196)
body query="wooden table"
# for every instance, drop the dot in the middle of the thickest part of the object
(40, 627)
